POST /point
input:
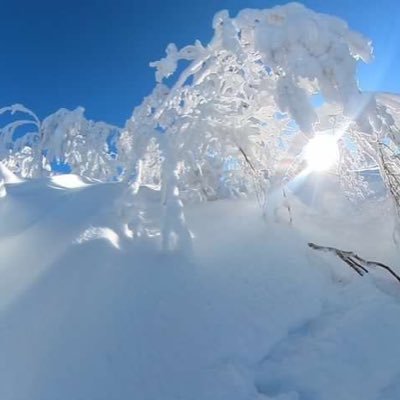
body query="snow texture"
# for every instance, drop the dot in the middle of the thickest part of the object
(251, 313)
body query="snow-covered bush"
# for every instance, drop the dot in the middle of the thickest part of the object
(65, 137)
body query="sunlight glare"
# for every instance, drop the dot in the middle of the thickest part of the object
(321, 152)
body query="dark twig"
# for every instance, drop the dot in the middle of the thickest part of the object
(354, 261)
(247, 159)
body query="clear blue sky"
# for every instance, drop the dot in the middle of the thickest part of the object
(96, 53)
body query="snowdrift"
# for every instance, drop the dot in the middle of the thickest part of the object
(252, 313)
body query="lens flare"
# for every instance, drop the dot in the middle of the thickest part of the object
(321, 152)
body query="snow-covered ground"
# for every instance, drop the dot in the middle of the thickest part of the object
(87, 313)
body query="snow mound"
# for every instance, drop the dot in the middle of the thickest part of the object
(7, 176)
(68, 181)
(89, 313)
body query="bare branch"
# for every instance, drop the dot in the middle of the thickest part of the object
(360, 265)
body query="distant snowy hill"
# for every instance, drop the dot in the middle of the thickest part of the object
(253, 314)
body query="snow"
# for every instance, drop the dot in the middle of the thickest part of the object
(7, 176)
(118, 283)
(306, 50)
(251, 313)
(68, 181)
(99, 232)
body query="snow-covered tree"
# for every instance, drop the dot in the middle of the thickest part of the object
(235, 116)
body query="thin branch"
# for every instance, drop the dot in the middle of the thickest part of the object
(247, 159)
(360, 265)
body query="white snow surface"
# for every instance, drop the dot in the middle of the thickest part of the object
(253, 314)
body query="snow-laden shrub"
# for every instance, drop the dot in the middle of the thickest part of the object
(65, 137)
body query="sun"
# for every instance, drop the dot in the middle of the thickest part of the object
(321, 152)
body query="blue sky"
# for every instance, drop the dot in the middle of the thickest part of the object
(96, 53)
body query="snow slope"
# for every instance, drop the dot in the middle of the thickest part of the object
(253, 314)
